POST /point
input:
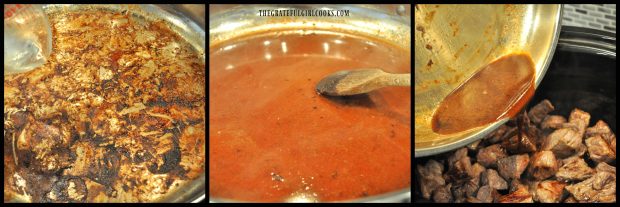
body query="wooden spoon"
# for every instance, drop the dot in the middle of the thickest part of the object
(364, 80)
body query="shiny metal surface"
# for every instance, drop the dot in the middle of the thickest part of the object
(375, 22)
(453, 41)
(180, 23)
(190, 31)
(389, 23)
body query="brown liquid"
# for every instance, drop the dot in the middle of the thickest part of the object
(272, 137)
(498, 90)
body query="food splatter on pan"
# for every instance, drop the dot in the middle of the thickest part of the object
(117, 114)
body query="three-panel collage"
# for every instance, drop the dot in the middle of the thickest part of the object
(309, 103)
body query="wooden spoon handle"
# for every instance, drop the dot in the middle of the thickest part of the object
(398, 80)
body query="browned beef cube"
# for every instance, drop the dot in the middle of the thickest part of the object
(443, 194)
(600, 128)
(599, 150)
(461, 169)
(487, 194)
(604, 167)
(563, 142)
(456, 156)
(512, 167)
(488, 156)
(581, 119)
(553, 122)
(476, 170)
(600, 188)
(549, 191)
(464, 188)
(531, 186)
(491, 178)
(515, 185)
(430, 177)
(536, 136)
(520, 144)
(538, 112)
(607, 174)
(459, 166)
(519, 195)
(502, 133)
(574, 169)
(543, 165)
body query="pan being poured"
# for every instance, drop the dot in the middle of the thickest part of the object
(451, 49)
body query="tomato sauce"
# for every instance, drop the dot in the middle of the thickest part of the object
(273, 138)
(498, 90)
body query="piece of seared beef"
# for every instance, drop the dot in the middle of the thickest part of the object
(520, 143)
(605, 175)
(460, 166)
(574, 169)
(604, 167)
(474, 176)
(431, 177)
(476, 170)
(581, 119)
(600, 188)
(443, 194)
(599, 150)
(518, 194)
(549, 191)
(515, 185)
(512, 167)
(542, 165)
(502, 133)
(488, 156)
(600, 128)
(563, 142)
(458, 155)
(461, 189)
(532, 185)
(487, 194)
(491, 178)
(538, 112)
(463, 176)
(553, 122)
(536, 135)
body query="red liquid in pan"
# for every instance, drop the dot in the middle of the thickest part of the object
(498, 90)
(273, 138)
